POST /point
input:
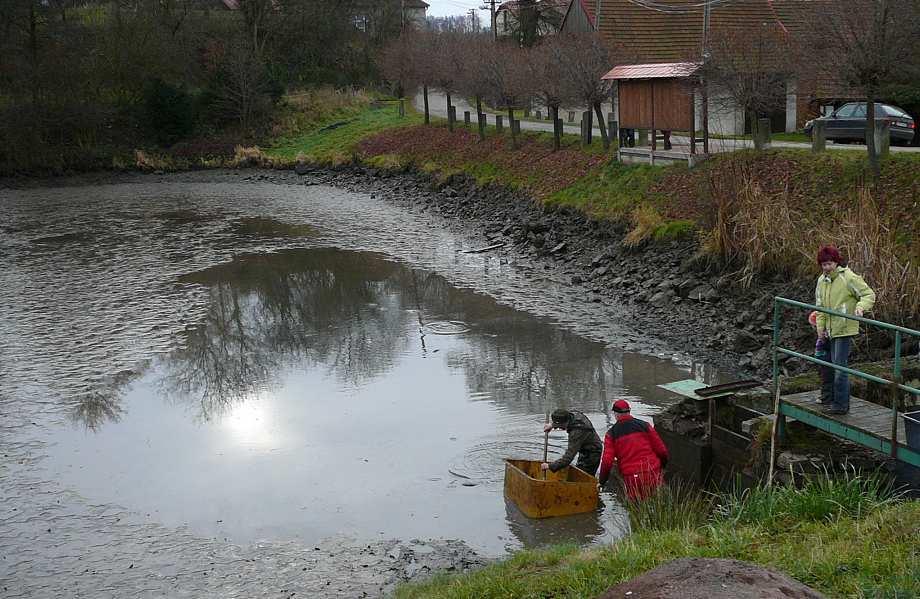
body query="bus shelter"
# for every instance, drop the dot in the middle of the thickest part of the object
(660, 98)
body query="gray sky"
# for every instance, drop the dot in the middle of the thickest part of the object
(442, 8)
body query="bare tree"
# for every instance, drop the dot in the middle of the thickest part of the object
(508, 82)
(547, 65)
(425, 63)
(589, 58)
(448, 52)
(241, 91)
(750, 68)
(864, 44)
(259, 17)
(397, 62)
(474, 76)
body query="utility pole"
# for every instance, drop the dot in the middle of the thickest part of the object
(706, 7)
(491, 8)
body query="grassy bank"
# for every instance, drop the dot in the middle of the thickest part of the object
(754, 213)
(843, 537)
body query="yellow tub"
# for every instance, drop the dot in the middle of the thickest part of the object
(569, 491)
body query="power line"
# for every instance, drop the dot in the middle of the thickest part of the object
(676, 9)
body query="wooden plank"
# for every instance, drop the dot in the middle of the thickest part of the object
(687, 388)
(635, 104)
(865, 416)
(671, 105)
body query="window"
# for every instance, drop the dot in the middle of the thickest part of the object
(859, 112)
(845, 111)
(895, 112)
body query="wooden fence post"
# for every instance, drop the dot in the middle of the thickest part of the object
(819, 136)
(613, 129)
(882, 138)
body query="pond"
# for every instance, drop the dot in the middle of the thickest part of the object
(209, 366)
(332, 392)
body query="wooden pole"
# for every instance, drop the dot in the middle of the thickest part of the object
(705, 117)
(427, 114)
(654, 135)
(775, 432)
(692, 122)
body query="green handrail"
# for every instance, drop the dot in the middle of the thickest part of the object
(896, 384)
(859, 373)
(869, 321)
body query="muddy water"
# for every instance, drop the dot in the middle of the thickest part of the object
(197, 376)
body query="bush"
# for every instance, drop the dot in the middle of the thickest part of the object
(169, 112)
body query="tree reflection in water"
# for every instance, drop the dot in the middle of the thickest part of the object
(276, 311)
(354, 314)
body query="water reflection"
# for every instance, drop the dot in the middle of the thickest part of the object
(394, 394)
(272, 312)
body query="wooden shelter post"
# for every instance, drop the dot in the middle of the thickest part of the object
(705, 116)
(692, 121)
(654, 135)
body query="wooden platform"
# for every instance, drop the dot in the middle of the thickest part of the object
(867, 423)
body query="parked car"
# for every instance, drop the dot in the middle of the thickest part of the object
(848, 123)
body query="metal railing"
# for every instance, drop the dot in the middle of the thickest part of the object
(895, 384)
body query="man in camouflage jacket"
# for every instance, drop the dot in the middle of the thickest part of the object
(583, 442)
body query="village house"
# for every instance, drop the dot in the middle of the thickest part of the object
(651, 32)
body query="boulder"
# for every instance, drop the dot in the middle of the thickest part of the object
(744, 341)
(709, 578)
(662, 298)
(703, 293)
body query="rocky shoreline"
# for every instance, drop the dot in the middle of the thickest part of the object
(662, 289)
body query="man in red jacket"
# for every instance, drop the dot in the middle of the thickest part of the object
(638, 450)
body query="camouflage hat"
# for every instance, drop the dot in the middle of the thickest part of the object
(560, 417)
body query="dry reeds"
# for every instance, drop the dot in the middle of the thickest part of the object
(249, 157)
(645, 220)
(758, 232)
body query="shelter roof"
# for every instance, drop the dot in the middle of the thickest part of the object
(661, 70)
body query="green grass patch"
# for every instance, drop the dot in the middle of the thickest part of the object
(674, 229)
(796, 136)
(846, 538)
(334, 141)
(613, 190)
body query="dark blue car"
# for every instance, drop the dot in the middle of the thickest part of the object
(848, 123)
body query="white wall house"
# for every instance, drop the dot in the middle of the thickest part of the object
(650, 36)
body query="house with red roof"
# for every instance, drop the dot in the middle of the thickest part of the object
(672, 31)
